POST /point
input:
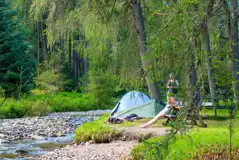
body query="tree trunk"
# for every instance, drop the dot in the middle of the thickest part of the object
(194, 95)
(38, 48)
(85, 61)
(141, 36)
(75, 62)
(69, 51)
(235, 52)
(228, 16)
(62, 51)
(210, 71)
(74, 70)
(53, 52)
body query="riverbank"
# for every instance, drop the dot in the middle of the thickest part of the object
(51, 137)
(53, 125)
(29, 136)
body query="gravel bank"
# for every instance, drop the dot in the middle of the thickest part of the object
(53, 125)
(117, 150)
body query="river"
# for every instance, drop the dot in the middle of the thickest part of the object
(26, 138)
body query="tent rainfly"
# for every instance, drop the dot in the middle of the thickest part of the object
(137, 103)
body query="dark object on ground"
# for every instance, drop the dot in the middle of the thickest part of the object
(132, 117)
(114, 120)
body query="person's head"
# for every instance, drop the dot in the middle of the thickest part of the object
(171, 76)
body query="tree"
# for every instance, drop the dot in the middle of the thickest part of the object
(235, 51)
(17, 66)
(208, 55)
(141, 36)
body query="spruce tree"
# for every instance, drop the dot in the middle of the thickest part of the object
(17, 66)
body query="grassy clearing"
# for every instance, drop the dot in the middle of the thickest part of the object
(196, 142)
(96, 131)
(185, 146)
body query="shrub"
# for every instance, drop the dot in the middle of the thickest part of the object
(12, 109)
(41, 104)
(49, 81)
(39, 108)
(96, 131)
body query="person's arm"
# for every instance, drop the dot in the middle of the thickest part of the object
(177, 84)
(176, 81)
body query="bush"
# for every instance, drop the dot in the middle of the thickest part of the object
(96, 131)
(49, 81)
(182, 147)
(39, 108)
(12, 109)
(42, 104)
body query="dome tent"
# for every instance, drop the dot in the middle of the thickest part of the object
(135, 102)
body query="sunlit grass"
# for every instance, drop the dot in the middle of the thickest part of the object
(96, 131)
(183, 147)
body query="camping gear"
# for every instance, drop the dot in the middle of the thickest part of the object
(114, 120)
(132, 117)
(137, 103)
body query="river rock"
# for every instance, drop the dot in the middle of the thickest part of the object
(3, 141)
(36, 137)
(55, 124)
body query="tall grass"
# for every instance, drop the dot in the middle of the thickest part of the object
(96, 131)
(38, 105)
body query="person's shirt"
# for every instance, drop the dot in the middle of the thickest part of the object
(172, 83)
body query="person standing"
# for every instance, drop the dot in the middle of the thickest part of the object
(172, 84)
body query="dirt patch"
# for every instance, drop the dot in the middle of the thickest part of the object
(140, 134)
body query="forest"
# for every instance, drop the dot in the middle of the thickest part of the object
(83, 55)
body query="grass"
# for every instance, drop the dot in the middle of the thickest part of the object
(39, 105)
(198, 140)
(96, 131)
(183, 147)
(221, 121)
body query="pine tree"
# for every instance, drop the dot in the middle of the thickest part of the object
(17, 66)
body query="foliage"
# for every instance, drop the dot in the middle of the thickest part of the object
(96, 131)
(49, 81)
(102, 87)
(18, 66)
(42, 104)
(12, 109)
(39, 108)
(183, 147)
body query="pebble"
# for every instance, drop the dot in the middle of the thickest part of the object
(111, 151)
(53, 125)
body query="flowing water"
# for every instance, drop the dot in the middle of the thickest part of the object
(22, 150)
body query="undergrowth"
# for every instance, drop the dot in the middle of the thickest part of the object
(42, 104)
